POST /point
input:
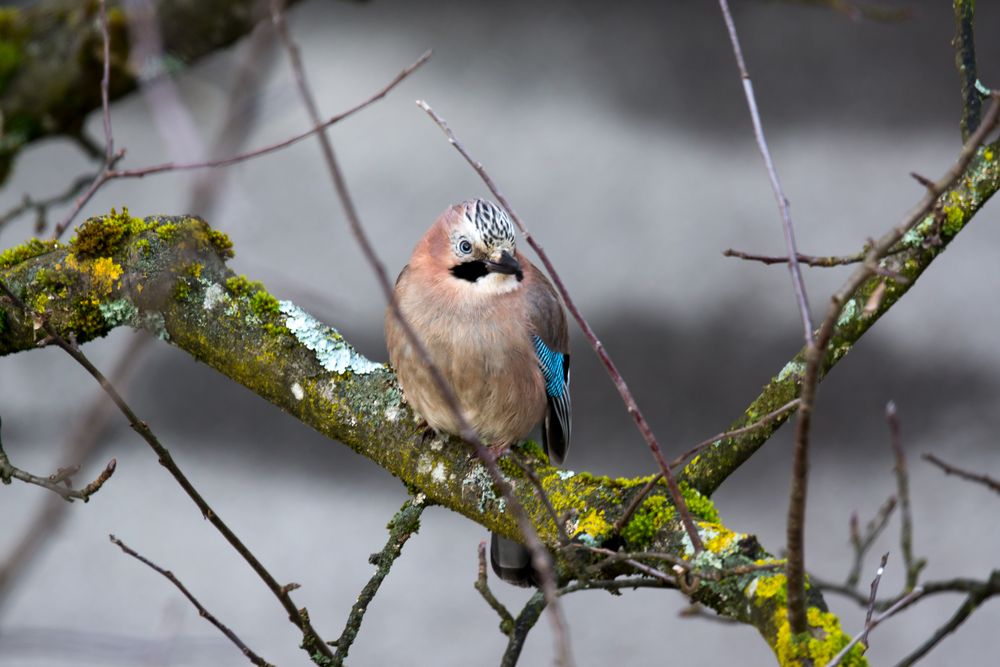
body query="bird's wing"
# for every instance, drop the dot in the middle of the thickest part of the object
(551, 341)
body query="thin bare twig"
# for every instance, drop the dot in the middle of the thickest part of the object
(595, 343)
(862, 543)
(404, 524)
(109, 139)
(311, 641)
(874, 623)
(809, 260)
(41, 206)
(779, 195)
(109, 173)
(541, 559)
(871, 599)
(204, 613)
(111, 158)
(679, 461)
(949, 469)
(913, 566)
(58, 483)
(695, 610)
(482, 585)
(763, 421)
(800, 462)
(82, 443)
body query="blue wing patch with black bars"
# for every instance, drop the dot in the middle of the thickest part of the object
(554, 368)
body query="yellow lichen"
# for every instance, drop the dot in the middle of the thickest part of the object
(594, 524)
(103, 274)
(771, 586)
(824, 640)
(721, 537)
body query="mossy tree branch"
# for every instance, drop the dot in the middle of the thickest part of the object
(168, 275)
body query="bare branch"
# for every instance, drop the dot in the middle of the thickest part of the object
(913, 566)
(204, 613)
(862, 543)
(482, 585)
(311, 641)
(772, 173)
(871, 599)
(991, 588)
(809, 260)
(949, 469)
(874, 622)
(109, 173)
(402, 527)
(679, 461)
(41, 206)
(800, 462)
(59, 483)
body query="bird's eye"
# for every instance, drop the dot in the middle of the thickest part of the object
(465, 247)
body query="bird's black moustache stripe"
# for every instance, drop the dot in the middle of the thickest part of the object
(471, 271)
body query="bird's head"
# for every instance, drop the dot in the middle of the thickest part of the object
(480, 246)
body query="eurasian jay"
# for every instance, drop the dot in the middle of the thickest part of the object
(493, 325)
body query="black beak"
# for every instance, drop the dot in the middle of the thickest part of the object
(507, 265)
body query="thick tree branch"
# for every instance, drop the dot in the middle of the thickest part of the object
(168, 275)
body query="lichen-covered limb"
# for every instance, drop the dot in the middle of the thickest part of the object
(402, 527)
(168, 275)
(861, 310)
(51, 59)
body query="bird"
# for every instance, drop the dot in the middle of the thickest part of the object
(492, 323)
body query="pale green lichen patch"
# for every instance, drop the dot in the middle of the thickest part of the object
(215, 295)
(793, 367)
(479, 482)
(332, 352)
(848, 313)
(117, 312)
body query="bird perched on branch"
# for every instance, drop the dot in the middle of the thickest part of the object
(493, 325)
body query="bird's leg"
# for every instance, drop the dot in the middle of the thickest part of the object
(428, 432)
(498, 449)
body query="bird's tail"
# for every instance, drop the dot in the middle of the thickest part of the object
(512, 562)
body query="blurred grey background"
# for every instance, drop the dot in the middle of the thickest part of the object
(620, 134)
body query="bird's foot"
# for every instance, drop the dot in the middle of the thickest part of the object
(428, 432)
